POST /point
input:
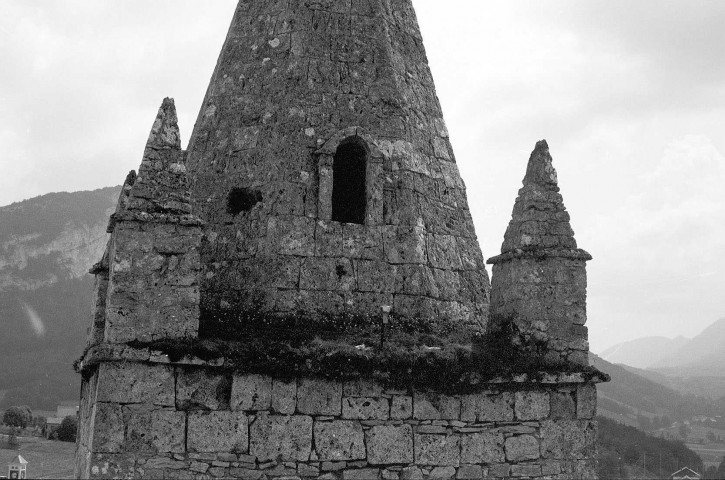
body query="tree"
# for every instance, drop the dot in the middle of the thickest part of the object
(17, 417)
(710, 437)
(67, 430)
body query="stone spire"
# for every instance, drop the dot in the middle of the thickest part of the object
(147, 282)
(303, 86)
(538, 287)
(161, 185)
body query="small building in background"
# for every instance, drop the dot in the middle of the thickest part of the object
(65, 409)
(18, 468)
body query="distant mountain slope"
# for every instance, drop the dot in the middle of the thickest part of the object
(47, 244)
(704, 355)
(643, 352)
(629, 392)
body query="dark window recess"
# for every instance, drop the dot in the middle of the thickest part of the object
(242, 200)
(348, 183)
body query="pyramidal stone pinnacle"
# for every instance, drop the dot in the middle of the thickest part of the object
(538, 286)
(161, 185)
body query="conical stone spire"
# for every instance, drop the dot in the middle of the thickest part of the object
(538, 287)
(147, 282)
(161, 185)
(310, 98)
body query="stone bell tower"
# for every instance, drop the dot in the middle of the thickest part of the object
(242, 302)
(321, 164)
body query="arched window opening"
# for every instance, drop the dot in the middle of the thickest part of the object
(348, 183)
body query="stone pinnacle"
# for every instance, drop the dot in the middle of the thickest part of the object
(165, 130)
(540, 170)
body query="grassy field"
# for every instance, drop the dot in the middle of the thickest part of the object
(46, 458)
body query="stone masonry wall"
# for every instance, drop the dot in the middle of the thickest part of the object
(293, 80)
(198, 421)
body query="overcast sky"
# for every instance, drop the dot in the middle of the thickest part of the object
(630, 96)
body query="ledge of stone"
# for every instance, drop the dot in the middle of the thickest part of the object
(541, 253)
(394, 373)
(145, 217)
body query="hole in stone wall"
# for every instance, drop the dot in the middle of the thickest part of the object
(242, 200)
(348, 183)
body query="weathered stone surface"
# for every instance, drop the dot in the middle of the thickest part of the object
(108, 428)
(528, 470)
(319, 397)
(432, 406)
(437, 449)
(361, 474)
(389, 444)
(339, 440)
(568, 439)
(411, 473)
(532, 405)
(251, 392)
(468, 472)
(140, 384)
(199, 388)
(586, 401)
(442, 473)
(522, 447)
(150, 430)
(487, 408)
(563, 405)
(285, 437)
(401, 407)
(500, 470)
(362, 408)
(482, 448)
(284, 396)
(221, 432)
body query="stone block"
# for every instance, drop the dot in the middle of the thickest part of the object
(441, 473)
(218, 432)
(361, 474)
(284, 396)
(527, 470)
(500, 470)
(198, 388)
(401, 407)
(522, 447)
(361, 408)
(108, 428)
(481, 407)
(288, 438)
(469, 472)
(251, 392)
(437, 449)
(388, 444)
(482, 447)
(153, 430)
(563, 406)
(339, 440)
(411, 473)
(532, 405)
(319, 397)
(586, 401)
(153, 384)
(568, 439)
(433, 406)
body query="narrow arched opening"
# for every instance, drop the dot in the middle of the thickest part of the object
(348, 182)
